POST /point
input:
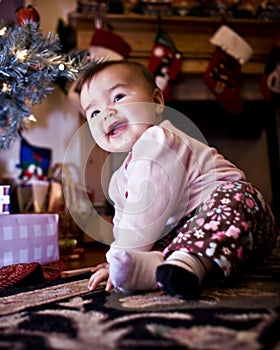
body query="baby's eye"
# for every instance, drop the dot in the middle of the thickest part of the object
(118, 97)
(94, 114)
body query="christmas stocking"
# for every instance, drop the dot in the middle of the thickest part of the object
(106, 45)
(165, 63)
(270, 81)
(223, 72)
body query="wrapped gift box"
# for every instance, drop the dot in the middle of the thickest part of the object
(28, 238)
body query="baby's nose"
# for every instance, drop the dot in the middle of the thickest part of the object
(110, 112)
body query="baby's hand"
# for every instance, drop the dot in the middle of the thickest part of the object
(101, 273)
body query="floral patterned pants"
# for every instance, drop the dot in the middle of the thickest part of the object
(232, 227)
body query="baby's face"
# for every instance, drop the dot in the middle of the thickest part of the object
(119, 107)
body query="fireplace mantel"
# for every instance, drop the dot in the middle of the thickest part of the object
(190, 34)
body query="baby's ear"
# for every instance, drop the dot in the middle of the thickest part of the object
(159, 109)
(159, 100)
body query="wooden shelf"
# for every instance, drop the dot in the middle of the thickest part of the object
(190, 34)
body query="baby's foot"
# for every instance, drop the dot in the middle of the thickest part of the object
(181, 275)
(132, 271)
(177, 282)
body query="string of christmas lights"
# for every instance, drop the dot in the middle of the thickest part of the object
(29, 65)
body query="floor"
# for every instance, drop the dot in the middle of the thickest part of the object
(87, 256)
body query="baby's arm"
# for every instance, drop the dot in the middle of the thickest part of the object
(100, 274)
(146, 195)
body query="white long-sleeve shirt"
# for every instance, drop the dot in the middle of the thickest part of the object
(165, 177)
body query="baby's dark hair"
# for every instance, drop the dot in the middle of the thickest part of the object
(98, 67)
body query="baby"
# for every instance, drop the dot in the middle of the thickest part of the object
(182, 211)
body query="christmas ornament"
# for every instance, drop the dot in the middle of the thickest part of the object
(25, 14)
(223, 73)
(247, 8)
(187, 8)
(29, 64)
(269, 10)
(165, 63)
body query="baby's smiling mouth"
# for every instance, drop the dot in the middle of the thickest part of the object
(117, 128)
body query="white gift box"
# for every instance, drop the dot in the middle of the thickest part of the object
(28, 238)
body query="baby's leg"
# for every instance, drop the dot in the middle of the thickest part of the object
(232, 227)
(132, 271)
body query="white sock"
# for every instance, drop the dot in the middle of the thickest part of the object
(132, 271)
(188, 262)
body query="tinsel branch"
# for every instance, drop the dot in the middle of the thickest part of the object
(29, 65)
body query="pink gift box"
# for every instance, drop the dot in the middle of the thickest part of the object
(28, 238)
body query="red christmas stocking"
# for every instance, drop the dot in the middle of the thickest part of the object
(223, 72)
(108, 45)
(270, 81)
(165, 63)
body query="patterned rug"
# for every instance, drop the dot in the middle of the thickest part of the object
(65, 315)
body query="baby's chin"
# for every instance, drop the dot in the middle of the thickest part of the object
(116, 147)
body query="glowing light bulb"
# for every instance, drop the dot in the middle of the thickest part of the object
(3, 31)
(61, 67)
(32, 118)
(21, 54)
(6, 87)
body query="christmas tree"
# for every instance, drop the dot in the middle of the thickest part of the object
(29, 65)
